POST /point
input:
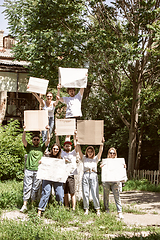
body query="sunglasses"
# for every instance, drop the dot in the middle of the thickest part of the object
(49, 96)
(36, 139)
(55, 149)
(112, 153)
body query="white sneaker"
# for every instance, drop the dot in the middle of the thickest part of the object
(24, 208)
(86, 212)
(120, 216)
(98, 213)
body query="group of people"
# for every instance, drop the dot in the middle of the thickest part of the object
(89, 159)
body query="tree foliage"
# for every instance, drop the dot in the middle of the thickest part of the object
(119, 43)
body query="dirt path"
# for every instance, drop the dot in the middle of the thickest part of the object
(146, 202)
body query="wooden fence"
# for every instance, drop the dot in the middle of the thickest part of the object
(150, 175)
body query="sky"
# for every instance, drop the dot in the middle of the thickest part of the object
(3, 21)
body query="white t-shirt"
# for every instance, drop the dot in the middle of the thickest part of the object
(71, 156)
(90, 163)
(50, 109)
(73, 105)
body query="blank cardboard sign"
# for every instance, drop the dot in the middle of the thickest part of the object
(113, 170)
(37, 85)
(35, 120)
(90, 132)
(65, 126)
(73, 77)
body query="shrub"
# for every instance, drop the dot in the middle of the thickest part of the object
(11, 151)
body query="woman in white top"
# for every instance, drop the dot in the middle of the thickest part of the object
(112, 153)
(90, 178)
(48, 105)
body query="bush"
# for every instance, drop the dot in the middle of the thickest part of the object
(11, 151)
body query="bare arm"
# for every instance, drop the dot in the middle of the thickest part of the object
(58, 98)
(100, 149)
(24, 138)
(78, 149)
(81, 91)
(40, 100)
(48, 137)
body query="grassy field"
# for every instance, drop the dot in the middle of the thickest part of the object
(59, 223)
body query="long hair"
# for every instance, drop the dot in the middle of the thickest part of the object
(92, 148)
(58, 155)
(112, 148)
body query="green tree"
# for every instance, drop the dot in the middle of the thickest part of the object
(120, 44)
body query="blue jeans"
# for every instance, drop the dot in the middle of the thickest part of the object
(90, 182)
(51, 124)
(46, 191)
(115, 189)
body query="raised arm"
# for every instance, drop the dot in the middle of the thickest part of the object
(48, 136)
(81, 91)
(24, 137)
(40, 100)
(78, 149)
(58, 98)
(100, 149)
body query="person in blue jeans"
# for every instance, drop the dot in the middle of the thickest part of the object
(112, 153)
(47, 185)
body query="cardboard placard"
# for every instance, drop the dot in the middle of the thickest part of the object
(53, 169)
(38, 85)
(113, 170)
(35, 120)
(65, 126)
(73, 77)
(90, 131)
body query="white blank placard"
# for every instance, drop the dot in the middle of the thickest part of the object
(38, 85)
(65, 126)
(113, 170)
(35, 120)
(73, 77)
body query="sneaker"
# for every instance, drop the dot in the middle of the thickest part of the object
(98, 213)
(86, 212)
(120, 216)
(24, 208)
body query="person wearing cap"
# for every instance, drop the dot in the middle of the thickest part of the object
(70, 158)
(34, 153)
(73, 102)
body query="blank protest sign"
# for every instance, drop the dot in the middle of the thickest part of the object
(35, 120)
(90, 131)
(38, 85)
(65, 126)
(113, 170)
(73, 77)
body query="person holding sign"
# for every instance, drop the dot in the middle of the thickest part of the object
(73, 102)
(47, 185)
(112, 153)
(48, 105)
(34, 153)
(90, 179)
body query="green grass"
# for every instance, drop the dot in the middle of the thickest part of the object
(63, 224)
(141, 185)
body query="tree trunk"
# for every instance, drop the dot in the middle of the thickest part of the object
(138, 158)
(133, 126)
(3, 105)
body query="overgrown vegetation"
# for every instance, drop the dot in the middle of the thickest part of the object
(141, 185)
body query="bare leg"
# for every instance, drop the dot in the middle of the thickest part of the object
(73, 199)
(66, 200)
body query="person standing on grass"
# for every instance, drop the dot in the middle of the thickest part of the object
(70, 158)
(90, 178)
(34, 153)
(112, 153)
(47, 185)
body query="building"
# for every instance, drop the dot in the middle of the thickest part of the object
(14, 98)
